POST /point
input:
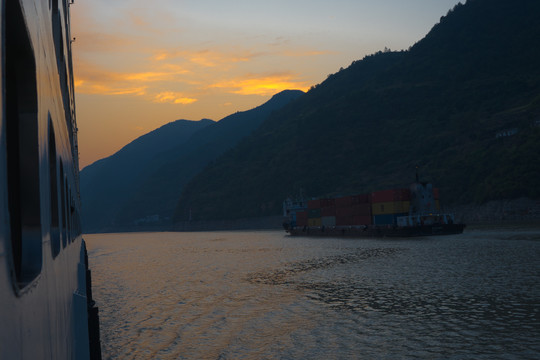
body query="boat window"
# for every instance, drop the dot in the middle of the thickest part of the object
(22, 144)
(63, 205)
(73, 220)
(60, 40)
(57, 34)
(67, 211)
(53, 182)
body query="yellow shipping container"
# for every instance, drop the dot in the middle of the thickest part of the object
(391, 207)
(315, 222)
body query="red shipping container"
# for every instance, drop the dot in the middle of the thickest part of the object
(344, 201)
(343, 220)
(327, 203)
(314, 204)
(362, 199)
(402, 195)
(377, 196)
(361, 209)
(344, 211)
(382, 196)
(391, 195)
(361, 220)
(301, 218)
(328, 211)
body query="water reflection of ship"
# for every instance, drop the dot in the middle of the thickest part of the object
(403, 212)
(46, 302)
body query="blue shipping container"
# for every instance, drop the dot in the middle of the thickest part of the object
(314, 213)
(386, 219)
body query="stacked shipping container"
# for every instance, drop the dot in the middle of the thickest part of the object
(353, 210)
(378, 208)
(436, 198)
(387, 205)
(341, 211)
(301, 218)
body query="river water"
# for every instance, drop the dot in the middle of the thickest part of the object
(265, 295)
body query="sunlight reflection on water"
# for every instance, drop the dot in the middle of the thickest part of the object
(264, 295)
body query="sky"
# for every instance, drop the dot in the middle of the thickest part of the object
(140, 64)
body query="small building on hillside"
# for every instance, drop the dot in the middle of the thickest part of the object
(506, 133)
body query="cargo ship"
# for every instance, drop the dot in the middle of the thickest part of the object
(402, 212)
(46, 305)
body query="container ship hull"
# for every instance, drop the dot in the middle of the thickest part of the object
(371, 232)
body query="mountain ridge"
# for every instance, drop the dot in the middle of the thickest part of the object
(159, 194)
(440, 105)
(107, 182)
(135, 184)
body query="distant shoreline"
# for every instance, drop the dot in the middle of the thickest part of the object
(516, 212)
(260, 223)
(522, 210)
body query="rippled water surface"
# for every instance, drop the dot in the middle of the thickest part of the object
(265, 295)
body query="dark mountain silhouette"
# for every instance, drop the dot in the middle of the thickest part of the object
(463, 104)
(107, 183)
(144, 185)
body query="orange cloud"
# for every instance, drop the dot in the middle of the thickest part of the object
(206, 58)
(147, 76)
(212, 58)
(263, 85)
(173, 98)
(83, 87)
(173, 76)
(92, 79)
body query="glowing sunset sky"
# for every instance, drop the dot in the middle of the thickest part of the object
(140, 64)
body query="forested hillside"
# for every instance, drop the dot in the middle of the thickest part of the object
(108, 183)
(139, 186)
(463, 104)
(157, 195)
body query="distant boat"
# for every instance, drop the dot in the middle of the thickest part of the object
(46, 306)
(403, 212)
